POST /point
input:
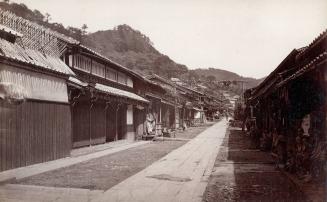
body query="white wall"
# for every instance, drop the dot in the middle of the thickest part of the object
(37, 86)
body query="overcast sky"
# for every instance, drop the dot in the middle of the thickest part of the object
(249, 37)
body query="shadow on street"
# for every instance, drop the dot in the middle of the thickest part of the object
(243, 173)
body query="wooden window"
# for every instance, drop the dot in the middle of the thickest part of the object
(98, 69)
(122, 78)
(82, 63)
(111, 74)
(129, 82)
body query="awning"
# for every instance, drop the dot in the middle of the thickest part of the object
(77, 81)
(119, 92)
(152, 96)
(168, 103)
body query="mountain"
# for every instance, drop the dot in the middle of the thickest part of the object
(134, 50)
(223, 75)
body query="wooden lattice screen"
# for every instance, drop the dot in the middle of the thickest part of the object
(35, 36)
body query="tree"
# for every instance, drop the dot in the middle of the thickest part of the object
(38, 16)
(84, 28)
(211, 78)
(47, 17)
(6, 1)
(75, 32)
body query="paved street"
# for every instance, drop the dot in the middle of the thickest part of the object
(180, 176)
(243, 173)
(219, 164)
(88, 180)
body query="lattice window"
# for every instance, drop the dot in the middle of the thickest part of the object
(98, 69)
(111, 74)
(82, 63)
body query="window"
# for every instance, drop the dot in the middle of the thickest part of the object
(98, 69)
(122, 78)
(129, 82)
(82, 63)
(111, 74)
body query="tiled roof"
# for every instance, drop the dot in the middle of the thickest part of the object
(8, 16)
(317, 40)
(15, 52)
(119, 92)
(10, 31)
(155, 76)
(311, 65)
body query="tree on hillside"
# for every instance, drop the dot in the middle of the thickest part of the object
(47, 17)
(84, 28)
(38, 16)
(211, 78)
(75, 32)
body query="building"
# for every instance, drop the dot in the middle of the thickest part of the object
(165, 103)
(105, 103)
(289, 109)
(35, 118)
(56, 95)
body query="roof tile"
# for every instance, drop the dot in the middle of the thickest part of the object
(119, 92)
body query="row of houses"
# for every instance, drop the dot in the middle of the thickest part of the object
(287, 111)
(57, 94)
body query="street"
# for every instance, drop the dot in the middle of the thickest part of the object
(219, 164)
(243, 173)
(92, 178)
(180, 176)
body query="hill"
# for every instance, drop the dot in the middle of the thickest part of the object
(134, 50)
(223, 75)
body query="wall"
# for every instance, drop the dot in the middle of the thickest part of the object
(89, 125)
(36, 85)
(33, 132)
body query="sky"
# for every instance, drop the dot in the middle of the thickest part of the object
(248, 37)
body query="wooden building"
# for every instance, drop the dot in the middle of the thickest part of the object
(290, 105)
(105, 107)
(180, 103)
(212, 106)
(35, 118)
(56, 94)
(170, 103)
(193, 105)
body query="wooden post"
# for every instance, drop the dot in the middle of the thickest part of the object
(93, 100)
(90, 123)
(118, 105)
(106, 119)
